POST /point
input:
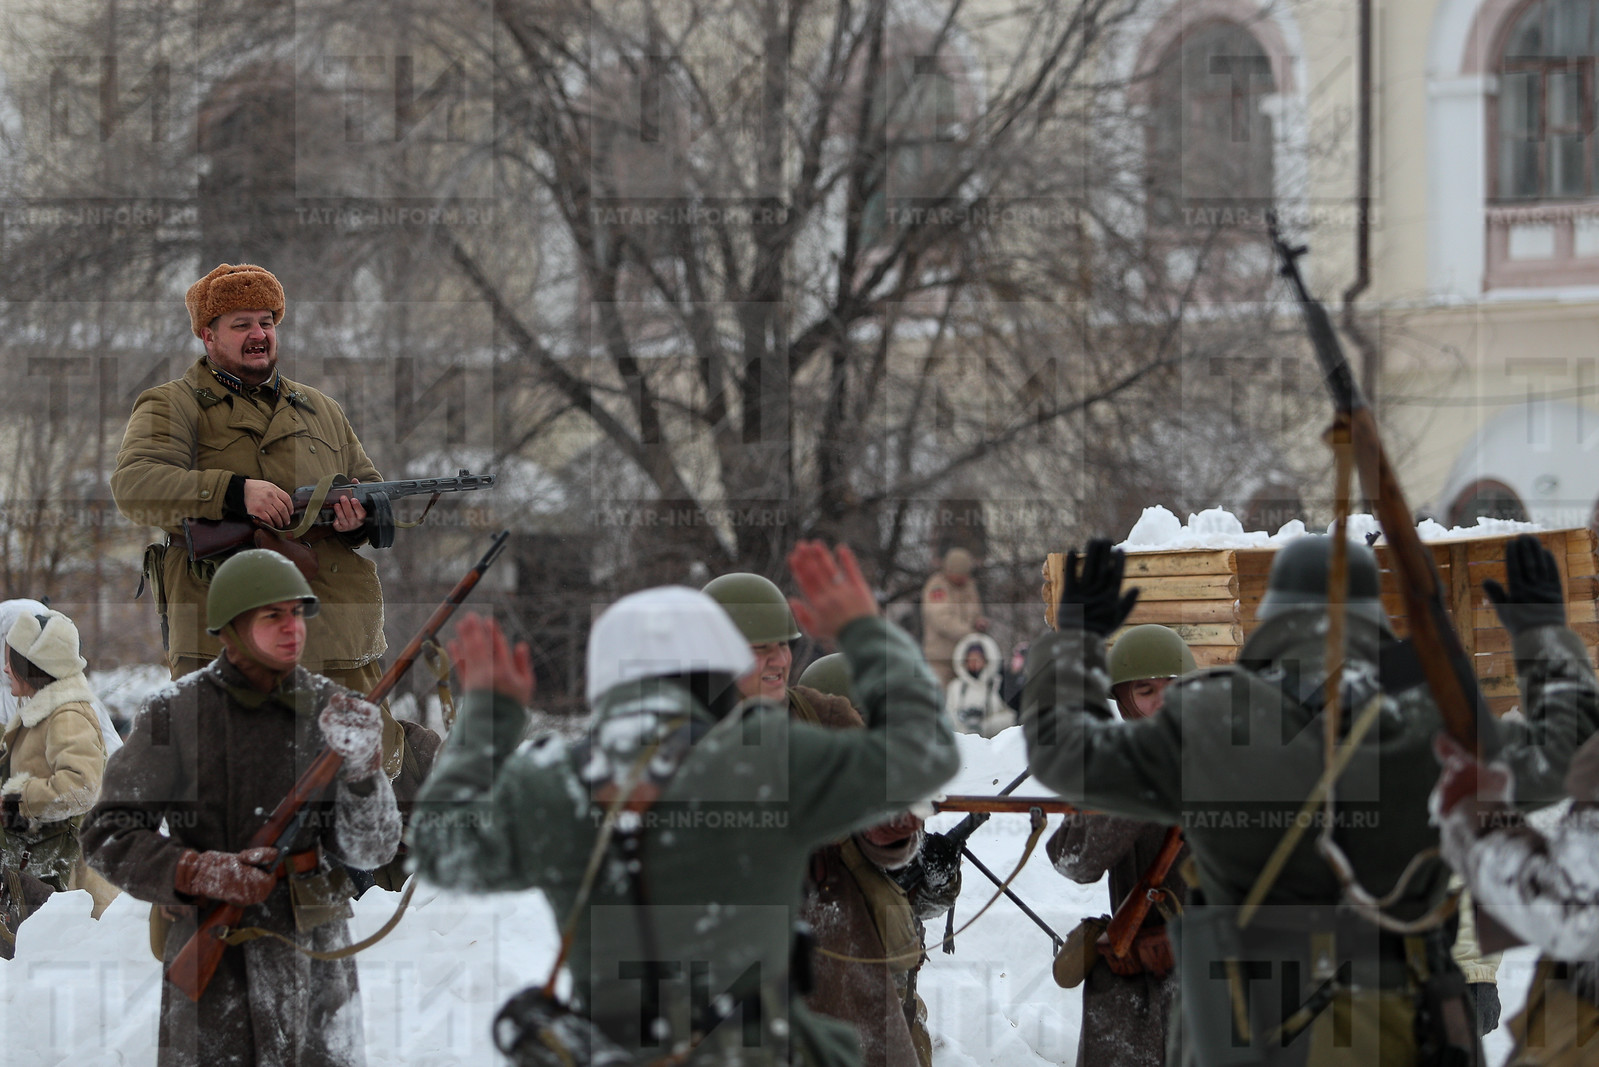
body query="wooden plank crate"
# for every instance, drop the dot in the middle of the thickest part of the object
(1209, 596)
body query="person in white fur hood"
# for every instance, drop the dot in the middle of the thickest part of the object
(52, 758)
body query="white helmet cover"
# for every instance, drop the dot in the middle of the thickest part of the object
(668, 630)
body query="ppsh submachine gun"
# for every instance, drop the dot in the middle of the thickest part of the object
(313, 517)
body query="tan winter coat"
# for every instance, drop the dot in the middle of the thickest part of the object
(54, 756)
(55, 752)
(185, 441)
(949, 613)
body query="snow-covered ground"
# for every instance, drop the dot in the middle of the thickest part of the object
(86, 992)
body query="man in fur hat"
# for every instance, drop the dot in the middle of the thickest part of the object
(230, 440)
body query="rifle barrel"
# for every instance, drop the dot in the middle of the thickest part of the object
(1449, 672)
(1006, 805)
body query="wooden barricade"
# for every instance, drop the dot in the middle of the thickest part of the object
(1209, 596)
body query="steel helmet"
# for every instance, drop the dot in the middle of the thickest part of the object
(661, 632)
(251, 579)
(829, 675)
(1298, 579)
(757, 607)
(1149, 651)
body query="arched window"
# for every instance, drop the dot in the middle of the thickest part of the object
(1545, 114)
(1486, 498)
(1211, 141)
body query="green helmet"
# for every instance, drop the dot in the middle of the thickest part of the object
(757, 607)
(251, 579)
(1298, 579)
(829, 675)
(1149, 651)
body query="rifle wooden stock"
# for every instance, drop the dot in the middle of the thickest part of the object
(1003, 805)
(1130, 914)
(1443, 658)
(196, 963)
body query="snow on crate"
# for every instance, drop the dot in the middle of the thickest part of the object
(1205, 580)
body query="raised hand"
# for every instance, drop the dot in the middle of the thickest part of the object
(484, 659)
(1092, 597)
(832, 591)
(1534, 597)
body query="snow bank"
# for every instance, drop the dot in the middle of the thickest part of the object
(1158, 530)
(87, 993)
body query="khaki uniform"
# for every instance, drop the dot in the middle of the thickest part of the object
(949, 612)
(185, 441)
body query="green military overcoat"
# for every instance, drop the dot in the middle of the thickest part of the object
(1232, 756)
(724, 849)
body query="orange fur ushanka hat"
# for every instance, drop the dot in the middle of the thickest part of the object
(230, 288)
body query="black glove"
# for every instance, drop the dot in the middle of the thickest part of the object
(938, 879)
(11, 813)
(1095, 596)
(1534, 597)
(1484, 998)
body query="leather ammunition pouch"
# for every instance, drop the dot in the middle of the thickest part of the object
(1080, 952)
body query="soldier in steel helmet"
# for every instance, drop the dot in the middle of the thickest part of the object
(853, 906)
(1127, 1003)
(744, 793)
(1346, 961)
(208, 760)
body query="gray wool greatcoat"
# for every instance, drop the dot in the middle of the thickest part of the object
(212, 757)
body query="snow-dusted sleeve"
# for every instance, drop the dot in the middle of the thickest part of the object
(1545, 890)
(477, 823)
(1560, 699)
(1077, 747)
(366, 827)
(122, 836)
(1086, 846)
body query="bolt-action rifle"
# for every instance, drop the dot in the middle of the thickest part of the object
(197, 961)
(1443, 659)
(214, 537)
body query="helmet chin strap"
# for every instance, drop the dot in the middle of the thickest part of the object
(241, 644)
